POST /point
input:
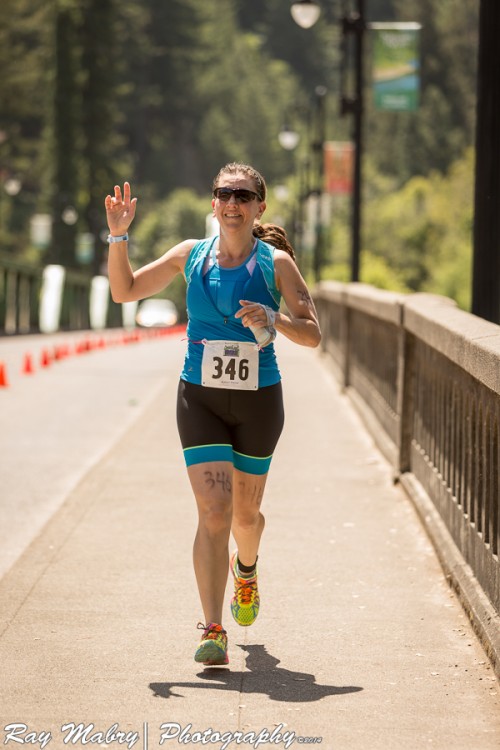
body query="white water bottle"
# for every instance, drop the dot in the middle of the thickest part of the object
(265, 335)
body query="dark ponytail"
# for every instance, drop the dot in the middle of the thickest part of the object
(275, 236)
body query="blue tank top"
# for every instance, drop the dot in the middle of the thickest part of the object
(226, 286)
(212, 299)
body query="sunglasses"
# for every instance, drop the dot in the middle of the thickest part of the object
(241, 195)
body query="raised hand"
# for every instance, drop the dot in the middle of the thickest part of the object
(120, 211)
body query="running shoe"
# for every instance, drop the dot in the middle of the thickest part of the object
(212, 650)
(246, 601)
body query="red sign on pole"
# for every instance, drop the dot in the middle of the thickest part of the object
(339, 160)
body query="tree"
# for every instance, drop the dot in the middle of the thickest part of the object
(424, 231)
(24, 91)
(65, 133)
(100, 108)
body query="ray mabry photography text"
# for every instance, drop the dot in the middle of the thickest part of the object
(73, 733)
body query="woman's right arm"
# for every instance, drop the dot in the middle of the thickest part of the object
(127, 285)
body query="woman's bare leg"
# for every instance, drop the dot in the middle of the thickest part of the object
(212, 484)
(248, 522)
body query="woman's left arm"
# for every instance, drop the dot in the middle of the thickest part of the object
(300, 323)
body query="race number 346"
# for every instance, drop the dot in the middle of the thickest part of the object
(230, 364)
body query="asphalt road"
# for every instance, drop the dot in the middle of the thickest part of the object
(360, 643)
(58, 421)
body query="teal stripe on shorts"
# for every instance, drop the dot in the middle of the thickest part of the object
(200, 454)
(251, 464)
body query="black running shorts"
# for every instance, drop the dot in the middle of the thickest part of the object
(219, 424)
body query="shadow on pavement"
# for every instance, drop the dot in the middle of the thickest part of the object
(264, 676)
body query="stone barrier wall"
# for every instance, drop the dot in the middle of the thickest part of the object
(425, 376)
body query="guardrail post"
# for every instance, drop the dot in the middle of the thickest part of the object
(24, 292)
(11, 302)
(345, 339)
(405, 395)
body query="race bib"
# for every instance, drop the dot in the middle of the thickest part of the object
(230, 364)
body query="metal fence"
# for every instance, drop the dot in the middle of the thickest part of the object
(426, 377)
(20, 288)
(19, 292)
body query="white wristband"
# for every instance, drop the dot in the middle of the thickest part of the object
(265, 335)
(270, 313)
(121, 238)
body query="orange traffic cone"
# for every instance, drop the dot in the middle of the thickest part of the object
(3, 376)
(28, 368)
(45, 360)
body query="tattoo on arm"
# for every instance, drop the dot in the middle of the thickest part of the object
(304, 296)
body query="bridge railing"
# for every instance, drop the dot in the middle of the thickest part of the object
(20, 289)
(425, 376)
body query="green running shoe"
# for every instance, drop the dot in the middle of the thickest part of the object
(212, 650)
(246, 601)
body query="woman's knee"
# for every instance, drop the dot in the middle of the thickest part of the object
(247, 504)
(248, 521)
(215, 516)
(212, 487)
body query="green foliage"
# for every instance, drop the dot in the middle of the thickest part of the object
(375, 270)
(250, 134)
(180, 216)
(161, 93)
(423, 231)
(312, 54)
(378, 272)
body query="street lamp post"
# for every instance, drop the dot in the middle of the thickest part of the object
(305, 13)
(354, 25)
(289, 140)
(486, 257)
(10, 187)
(317, 147)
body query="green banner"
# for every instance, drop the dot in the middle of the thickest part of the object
(396, 66)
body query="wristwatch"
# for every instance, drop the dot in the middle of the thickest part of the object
(120, 238)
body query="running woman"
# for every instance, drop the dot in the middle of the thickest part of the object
(230, 405)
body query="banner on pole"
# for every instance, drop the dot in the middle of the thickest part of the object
(396, 66)
(339, 161)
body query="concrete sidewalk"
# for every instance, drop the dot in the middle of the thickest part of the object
(360, 641)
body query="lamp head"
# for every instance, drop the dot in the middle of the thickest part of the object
(305, 13)
(289, 139)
